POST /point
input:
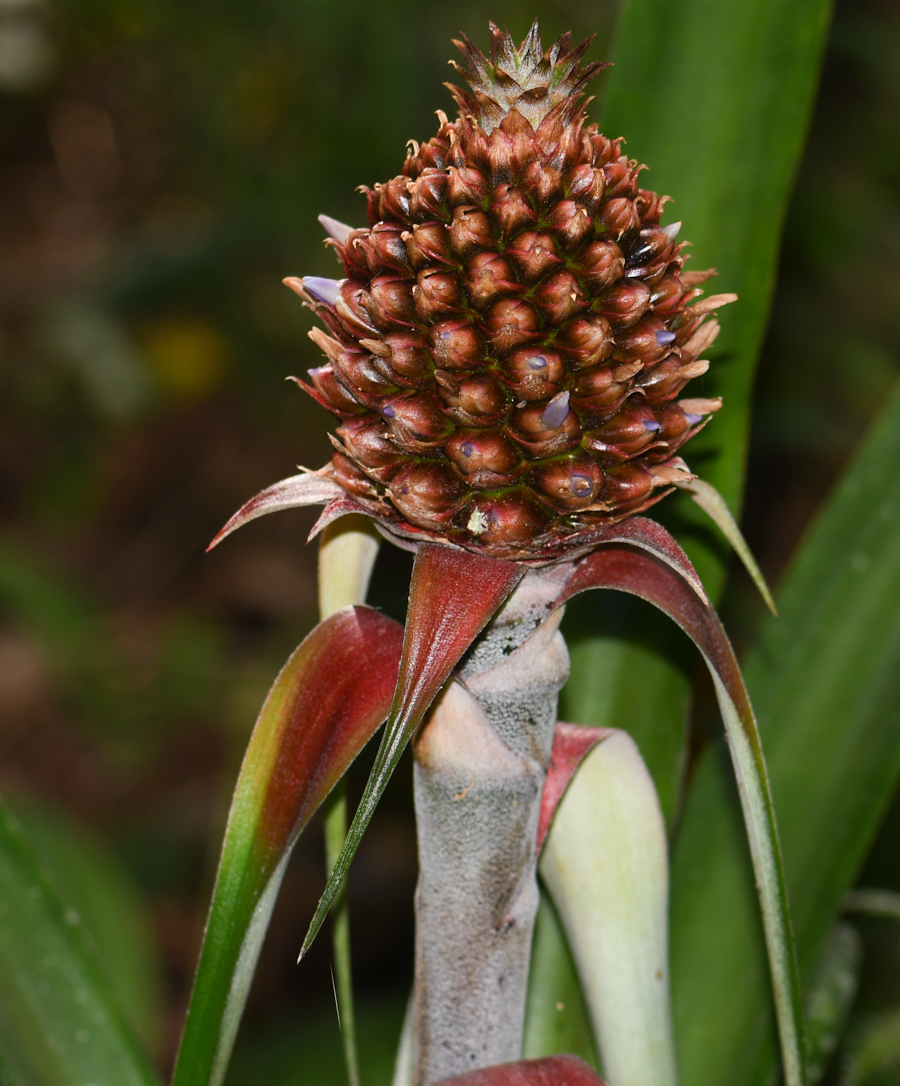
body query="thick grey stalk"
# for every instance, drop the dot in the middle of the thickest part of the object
(480, 764)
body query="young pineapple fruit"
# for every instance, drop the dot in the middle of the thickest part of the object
(514, 327)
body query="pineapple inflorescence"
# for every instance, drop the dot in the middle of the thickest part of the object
(515, 325)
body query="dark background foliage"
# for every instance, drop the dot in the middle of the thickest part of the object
(161, 170)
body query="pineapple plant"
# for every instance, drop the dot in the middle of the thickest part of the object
(506, 354)
(496, 561)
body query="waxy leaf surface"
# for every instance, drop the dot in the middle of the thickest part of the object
(329, 699)
(641, 575)
(452, 597)
(825, 679)
(605, 864)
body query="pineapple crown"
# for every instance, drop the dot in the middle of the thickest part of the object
(525, 79)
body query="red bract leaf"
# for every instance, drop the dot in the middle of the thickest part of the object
(667, 587)
(329, 699)
(571, 744)
(551, 1071)
(452, 597)
(642, 575)
(334, 510)
(647, 535)
(310, 488)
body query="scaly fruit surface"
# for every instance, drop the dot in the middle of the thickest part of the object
(514, 327)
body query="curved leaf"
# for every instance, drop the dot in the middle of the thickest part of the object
(643, 576)
(825, 678)
(308, 488)
(329, 699)
(605, 863)
(571, 745)
(59, 1025)
(716, 508)
(452, 597)
(715, 98)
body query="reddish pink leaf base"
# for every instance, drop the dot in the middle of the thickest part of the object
(671, 591)
(452, 597)
(552, 1071)
(571, 745)
(330, 698)
(651, 537)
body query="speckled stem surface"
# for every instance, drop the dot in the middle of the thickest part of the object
(480, 764)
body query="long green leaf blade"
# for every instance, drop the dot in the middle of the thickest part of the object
(347, 552)
(826, 682)
(59, 1025)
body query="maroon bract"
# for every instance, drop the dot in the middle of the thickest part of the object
(452, 597)
(571, 745)
(551, 1071)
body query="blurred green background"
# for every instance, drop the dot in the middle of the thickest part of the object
(161, 168)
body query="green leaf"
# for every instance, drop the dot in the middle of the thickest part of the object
(612, 639)
(884, 904)
(641, 575)
(59, 1024)
(112, 915)
(714, 505)
(329, 699)
(347, 552)
(825, 679)
(716, 99)
(875, 1050)
(831, 995)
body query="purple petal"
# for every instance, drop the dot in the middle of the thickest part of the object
(327, 291)
(340, 231)
(556, 411)
(662, 338)
(651, 425)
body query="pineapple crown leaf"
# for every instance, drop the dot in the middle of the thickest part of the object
(523, 78)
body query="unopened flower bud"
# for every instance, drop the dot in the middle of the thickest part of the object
(533, 253)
